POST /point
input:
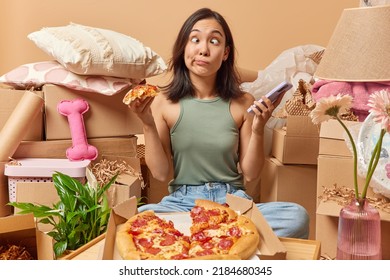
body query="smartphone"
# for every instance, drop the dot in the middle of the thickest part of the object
(274, 93)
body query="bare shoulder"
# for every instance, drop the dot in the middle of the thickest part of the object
(244, 101)
(239, 107)
(165, 109)
(160, 100)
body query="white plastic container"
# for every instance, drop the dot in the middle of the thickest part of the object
(41, 170)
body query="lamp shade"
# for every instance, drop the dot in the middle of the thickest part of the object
(359, 49)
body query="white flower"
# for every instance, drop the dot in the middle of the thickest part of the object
(330, 107)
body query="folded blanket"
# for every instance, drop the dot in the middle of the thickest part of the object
(360, 91)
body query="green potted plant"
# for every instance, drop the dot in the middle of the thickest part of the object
(79, 216)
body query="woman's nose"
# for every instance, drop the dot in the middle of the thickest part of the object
(203, 50)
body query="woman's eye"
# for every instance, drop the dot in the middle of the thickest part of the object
(194, 40)
(214, 41)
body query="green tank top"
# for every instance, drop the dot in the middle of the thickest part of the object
(205, 142)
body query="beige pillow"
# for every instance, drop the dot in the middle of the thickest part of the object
(87, 50)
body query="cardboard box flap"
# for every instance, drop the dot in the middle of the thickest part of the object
(119, 214)
(270, 246)
(329, 208)
(239, 204)
(45, 246)
(19, 230)
(18, 222)
(332, 208)
(126, 209)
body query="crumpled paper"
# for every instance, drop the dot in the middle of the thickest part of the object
(292, 65)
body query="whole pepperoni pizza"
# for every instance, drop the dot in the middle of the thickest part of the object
(217, 232)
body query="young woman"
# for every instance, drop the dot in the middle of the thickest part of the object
(199, 127)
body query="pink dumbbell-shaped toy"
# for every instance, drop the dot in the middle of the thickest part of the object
(74, 110)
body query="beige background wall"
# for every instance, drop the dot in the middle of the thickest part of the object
(262, 29)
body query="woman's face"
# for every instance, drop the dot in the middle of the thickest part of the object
(206, 48)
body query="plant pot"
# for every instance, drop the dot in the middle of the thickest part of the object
(359, 232)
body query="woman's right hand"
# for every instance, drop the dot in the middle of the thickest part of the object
(141, 107)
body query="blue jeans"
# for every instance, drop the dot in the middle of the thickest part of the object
(287, 219)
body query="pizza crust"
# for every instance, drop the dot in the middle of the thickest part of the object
(244, 247)
(124, 240)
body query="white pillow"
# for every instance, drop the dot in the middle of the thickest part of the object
(87, 50)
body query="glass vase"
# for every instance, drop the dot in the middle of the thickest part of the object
(359, 232)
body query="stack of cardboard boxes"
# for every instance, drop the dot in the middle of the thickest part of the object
(109, 126)
(290, 173)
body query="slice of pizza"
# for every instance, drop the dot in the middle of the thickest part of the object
(145, 236)
(218, 230)
(206, 214)
(140, 91)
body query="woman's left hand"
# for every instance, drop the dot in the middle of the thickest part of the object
(263, 112)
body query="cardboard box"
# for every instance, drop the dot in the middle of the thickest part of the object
(36, 192)
(301, 249)
(125, 146)
(290, 183)
(126, 185)
(332, 137)
(154, 189)
(297, 142)
(327, 229)
(336, 170)
(19, 230)
(270, 246)
(45, 193)
(5, 209)
(23, 230)
(107, 115)
(41, 170)
(301, 126)
(294, 149)
(9, 99)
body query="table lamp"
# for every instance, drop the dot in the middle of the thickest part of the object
(359, 49)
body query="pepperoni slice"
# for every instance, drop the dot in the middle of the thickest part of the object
(179, 257)
(234, 231)
(207, 245)
(146, 243)
(201, 237)
(134, 232)
(139, 223)
(205, 252)
(214, 212)
(153, 250)
(225, 243)
(196, 211)
(168, 240)
(202, 217)
(158, 231)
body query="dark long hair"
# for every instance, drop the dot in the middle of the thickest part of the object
(227, 83)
